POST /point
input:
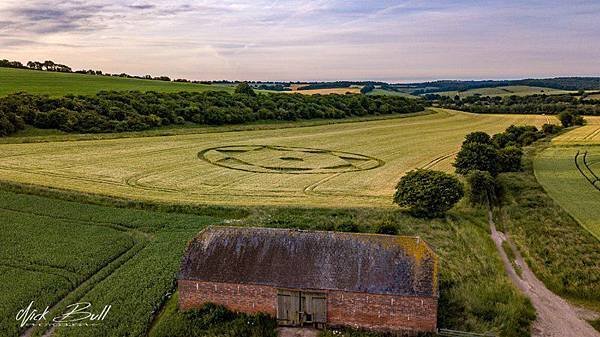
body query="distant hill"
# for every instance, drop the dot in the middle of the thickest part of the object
(562, 83)
(59, 84)
(517, 90)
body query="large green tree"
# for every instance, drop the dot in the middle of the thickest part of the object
(476, 156)
(428, 193)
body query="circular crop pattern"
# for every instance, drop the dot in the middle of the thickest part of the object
(287, 159)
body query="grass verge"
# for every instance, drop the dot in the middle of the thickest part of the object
(561, 253)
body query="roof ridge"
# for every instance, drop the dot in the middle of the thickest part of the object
(416, 237)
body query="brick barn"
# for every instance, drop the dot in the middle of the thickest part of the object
(369, 281)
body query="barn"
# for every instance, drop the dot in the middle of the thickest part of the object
(369, 281)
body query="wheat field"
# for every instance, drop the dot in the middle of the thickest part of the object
(339, 165)
(586, 135)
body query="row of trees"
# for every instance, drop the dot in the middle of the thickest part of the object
(481, 158)
(57, 67)
(532, 104)
(131, 111)
(563, 83)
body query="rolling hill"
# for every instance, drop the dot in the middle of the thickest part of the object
(59, 84)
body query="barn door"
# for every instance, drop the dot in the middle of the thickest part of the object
(288, 307)
(297, 308)
(319, 308)
(313, 308)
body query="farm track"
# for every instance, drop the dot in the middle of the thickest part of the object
(555, 317)
(585, 170)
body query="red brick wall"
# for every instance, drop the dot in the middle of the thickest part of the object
(381, 312)
(368, 311)
(245, 298)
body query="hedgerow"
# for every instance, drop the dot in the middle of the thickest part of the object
(112, 111)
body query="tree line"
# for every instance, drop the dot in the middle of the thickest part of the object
(429, 193)
(532, 104)
(562, 83)
(112, 111)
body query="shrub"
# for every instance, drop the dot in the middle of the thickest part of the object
(208, 315)
(482, 188)
(427, 192)
(570, 118)
(528, 137)
(500, 140)
(244, 88)
(347, 227)
(475, 156)
(550, 129)
(509, 159)
(478, 137)
(388, 229)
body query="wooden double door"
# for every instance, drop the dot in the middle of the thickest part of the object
(297, 308)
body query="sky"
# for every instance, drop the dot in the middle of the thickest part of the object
(321, 40)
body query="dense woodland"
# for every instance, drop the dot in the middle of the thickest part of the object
(133, 111)
(533, 104)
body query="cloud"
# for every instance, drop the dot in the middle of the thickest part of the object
(141, 6)
(311, 39)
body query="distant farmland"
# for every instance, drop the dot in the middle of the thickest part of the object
(518, 90)
(349, 164)
(340, 91)
(392, 93)
(60, 84)
(323, 91)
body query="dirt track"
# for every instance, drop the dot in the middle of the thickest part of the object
(297, 332)
(555, 317)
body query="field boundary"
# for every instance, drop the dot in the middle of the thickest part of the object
(276, 125)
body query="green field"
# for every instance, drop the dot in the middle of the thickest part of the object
(392, 93)
(60, 84)
(568, 178)
(518, 90)
(347, 164)
(128, 258)
(556, 170)
(59, 250)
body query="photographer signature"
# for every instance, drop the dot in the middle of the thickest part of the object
(77, 312)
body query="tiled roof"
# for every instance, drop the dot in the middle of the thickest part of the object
(288, 258)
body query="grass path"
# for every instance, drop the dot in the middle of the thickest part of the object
(555, 317)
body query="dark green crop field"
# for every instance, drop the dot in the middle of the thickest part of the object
(63, 252)
(59, 84)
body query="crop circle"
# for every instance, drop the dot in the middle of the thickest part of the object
(287, 159)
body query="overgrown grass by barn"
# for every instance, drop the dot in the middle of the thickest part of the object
(211, 321)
